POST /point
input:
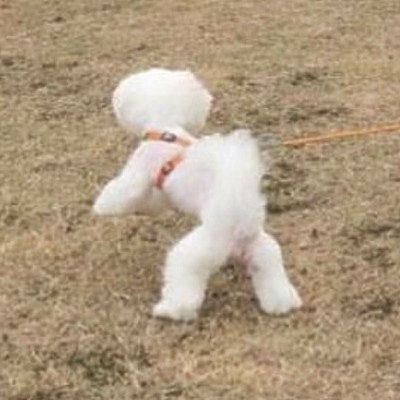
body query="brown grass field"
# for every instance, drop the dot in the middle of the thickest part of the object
(76, 291)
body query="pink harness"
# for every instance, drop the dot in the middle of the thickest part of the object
(171, 163)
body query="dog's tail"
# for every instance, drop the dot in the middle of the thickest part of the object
(159, 99)
(236, 207)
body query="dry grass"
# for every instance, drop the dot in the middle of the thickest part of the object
(75, 291)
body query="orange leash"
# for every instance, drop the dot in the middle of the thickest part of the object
(294, 142)
(172, 162)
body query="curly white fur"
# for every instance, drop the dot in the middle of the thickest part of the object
(218, 181)
(159, 98)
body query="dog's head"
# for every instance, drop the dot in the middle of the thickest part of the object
(160, 99)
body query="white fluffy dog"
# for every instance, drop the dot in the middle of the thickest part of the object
(215, 177)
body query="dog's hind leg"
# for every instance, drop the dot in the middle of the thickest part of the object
(274, 291)
(188, 267)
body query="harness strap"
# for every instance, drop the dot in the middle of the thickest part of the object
(167, 168)
(172, 162)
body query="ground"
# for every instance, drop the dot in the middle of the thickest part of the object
(76, 291)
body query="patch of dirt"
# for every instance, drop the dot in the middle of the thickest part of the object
(76, 291)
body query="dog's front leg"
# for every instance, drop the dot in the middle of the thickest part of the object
(133, 189)
(188, 267)
(125, 194)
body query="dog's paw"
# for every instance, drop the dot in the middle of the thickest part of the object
(280, 299)
(182, 312)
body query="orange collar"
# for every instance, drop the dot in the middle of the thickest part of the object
(169, 165)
